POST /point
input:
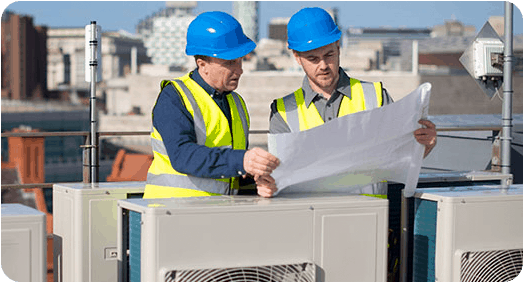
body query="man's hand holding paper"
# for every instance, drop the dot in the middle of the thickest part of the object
(358, 149)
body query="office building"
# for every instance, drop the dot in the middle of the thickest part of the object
(247, 13)
(23, 58)
(66, 57)
(164, 34)
(278, 29)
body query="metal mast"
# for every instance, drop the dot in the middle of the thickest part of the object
(508, 90)
(93, 64)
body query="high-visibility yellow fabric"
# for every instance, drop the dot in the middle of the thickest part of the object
(154, 191)
(309, 117)
(376, 196)
(217, 133)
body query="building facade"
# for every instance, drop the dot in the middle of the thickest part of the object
(386, 43)
(278, 29)
(164, 34)
(66, 57)
(247, 13)
(24, 58)
(453, 27)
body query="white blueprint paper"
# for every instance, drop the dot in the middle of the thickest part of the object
(351, 151)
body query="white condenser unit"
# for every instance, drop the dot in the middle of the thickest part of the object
(468, 234)
(24, 243)
(84, 229)
(247, 238)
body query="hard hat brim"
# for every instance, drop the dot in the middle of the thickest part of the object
(314, 44)
(227, 54)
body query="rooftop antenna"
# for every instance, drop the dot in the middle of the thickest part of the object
(489, 60)
(93, 75)
(507, 91)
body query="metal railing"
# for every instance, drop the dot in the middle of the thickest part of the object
(87, 135)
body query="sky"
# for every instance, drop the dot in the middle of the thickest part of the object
(124, 15)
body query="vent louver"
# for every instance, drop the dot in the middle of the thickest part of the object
(491, 266)
(304, 272)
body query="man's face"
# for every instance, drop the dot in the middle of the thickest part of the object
(321, 65)
(222, 75)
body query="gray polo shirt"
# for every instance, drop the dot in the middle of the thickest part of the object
(328, 109)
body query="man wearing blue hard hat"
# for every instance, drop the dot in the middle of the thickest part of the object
(200, 126)
(327, 92)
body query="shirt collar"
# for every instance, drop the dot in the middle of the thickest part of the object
(200, 81)
(343, 87)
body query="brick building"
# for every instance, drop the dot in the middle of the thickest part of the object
(24, 58)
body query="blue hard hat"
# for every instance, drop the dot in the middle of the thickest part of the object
(219, 35)
(311, 28)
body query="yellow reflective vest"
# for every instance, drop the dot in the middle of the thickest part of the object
(212, 130)
(300, 117)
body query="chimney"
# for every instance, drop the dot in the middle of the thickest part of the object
(134, 59)
(28, 153)
(414, 60)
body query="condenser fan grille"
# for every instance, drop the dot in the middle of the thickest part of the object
(303, 272)
(491, 266)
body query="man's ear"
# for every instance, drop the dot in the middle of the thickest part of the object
(201, 64)
(297, 57)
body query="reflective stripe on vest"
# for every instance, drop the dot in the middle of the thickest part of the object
(300, 117)
(162, 179)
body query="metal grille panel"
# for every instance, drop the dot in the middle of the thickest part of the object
(491, 266)
(303, 272)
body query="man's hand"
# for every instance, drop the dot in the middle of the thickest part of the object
(259, 162)
(427, 136)
(266, 186)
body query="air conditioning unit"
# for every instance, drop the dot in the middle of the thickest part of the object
(84, 229)
(246, 238)
(24, 243)
(467, 234)
(428, 180)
